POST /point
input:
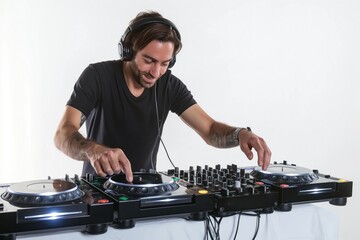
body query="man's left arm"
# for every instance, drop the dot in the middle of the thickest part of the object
(221, 135)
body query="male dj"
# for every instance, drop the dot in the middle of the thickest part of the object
(125, 104)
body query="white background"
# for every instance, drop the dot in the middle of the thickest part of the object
(287, 68)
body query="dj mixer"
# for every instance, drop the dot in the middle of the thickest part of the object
(233, 188)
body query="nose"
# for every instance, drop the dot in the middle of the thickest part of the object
(155, 70)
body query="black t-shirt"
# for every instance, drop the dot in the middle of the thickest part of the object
(117, 119)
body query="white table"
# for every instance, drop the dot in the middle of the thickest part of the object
(304, 222)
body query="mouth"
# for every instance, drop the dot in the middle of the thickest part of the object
(148, 79)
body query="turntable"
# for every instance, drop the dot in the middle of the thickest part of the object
(152, 194)
(301, 185)
(52, 204)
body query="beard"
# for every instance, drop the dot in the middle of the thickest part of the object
(142, 78)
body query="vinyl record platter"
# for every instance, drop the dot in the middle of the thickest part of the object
(52, 204)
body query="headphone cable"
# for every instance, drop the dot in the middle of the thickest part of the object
(159, 131)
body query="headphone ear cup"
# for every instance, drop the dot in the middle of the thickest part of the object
(172, 62)
(125, 52)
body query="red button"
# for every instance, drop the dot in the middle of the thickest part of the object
(284, 185)
(103, 200)
(259, 183)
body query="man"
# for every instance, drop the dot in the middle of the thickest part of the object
(126, 102)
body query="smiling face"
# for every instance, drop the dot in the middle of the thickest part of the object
(149, 64)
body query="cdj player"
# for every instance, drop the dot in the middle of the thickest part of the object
(152, 194)
(297, 185)
(52, 204)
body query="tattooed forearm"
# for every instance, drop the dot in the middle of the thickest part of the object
(77, 143)
(223, 140)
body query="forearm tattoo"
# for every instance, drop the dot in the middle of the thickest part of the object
(77, 144)
(223, 140)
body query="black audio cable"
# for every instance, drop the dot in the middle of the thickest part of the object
(237, 225)
(212, 225)
(257, 225)
(213, 228)
(159, 129)
(257, 215)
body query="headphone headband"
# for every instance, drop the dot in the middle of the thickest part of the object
(126, 52)
(136, 25)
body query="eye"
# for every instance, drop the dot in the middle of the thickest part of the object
(165, 64)
(148, 60)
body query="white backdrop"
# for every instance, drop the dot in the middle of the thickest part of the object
(288, 69)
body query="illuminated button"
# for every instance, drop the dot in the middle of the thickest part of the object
(123, 198)
(203, 191)
(176, 178)
(259, 183)
(103, 200)
(284, 185)
(342, 180)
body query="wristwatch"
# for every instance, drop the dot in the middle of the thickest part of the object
(236, 133)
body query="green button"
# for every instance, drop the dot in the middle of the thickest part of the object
(176, 178)
(123, 198)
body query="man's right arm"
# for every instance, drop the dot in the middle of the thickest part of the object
(68, 139)
(106, 161)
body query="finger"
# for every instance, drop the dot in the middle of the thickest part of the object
(247, 151)
(267, 156)
(126, 168)
(105, 165)
(123, 163)
(264, 154)
(261, 156)
(98, 169)
(114, 163)
(256, 143)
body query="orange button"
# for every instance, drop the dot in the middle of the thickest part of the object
(103, 200)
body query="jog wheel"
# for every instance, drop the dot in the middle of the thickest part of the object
(144, 184)
(284, 173)
(42, 193)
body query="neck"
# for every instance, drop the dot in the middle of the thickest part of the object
(135, 88)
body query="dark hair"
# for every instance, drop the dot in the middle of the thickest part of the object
(141, 37)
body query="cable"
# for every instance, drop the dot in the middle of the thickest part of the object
(257, 225)
(159, 132)
(237, 225)
(213, 225)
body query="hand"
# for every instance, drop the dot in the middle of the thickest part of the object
(249, 140)
(109, 161)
